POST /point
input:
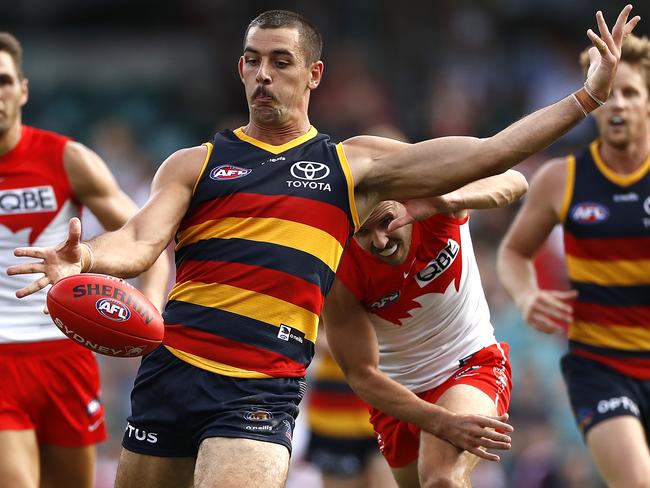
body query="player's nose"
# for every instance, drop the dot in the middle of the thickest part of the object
(379, 239)
(263, 75)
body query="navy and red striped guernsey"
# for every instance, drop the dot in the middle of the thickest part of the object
(606, 219)
(257, 252)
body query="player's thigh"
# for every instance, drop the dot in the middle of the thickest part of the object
(19, 459)
(378, 473)
(619, 449)
(143, 471)
(440, 461)
(234, 463)
(65, 467)
(407, 476)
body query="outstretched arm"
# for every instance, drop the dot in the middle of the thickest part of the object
(384, 169)
(353, 343)
(133, 248)
(96, 188)
(492, 192)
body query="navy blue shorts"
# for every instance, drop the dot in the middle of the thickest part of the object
(175, 405)
(598, 392)
(341, 456)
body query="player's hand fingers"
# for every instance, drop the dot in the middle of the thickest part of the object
(598, 43)
(496, 423)
(400, 222)
(492, 444)
(488, 456)
(629, 27)
(27, 268)
(30, 252)
(619, 25)
(74, 231)
(33, 287)
(543, 324)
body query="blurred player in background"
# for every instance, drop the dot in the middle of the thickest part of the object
(602, 199)
(342, 442)
(408, 321)
(261, 217)
(51, 415)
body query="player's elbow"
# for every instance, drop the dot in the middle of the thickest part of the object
(517, 188)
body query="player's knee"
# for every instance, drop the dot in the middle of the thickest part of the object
(442, 479)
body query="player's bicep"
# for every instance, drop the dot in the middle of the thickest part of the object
(540, 211)
(350, 334)
(95, 186)
(171, 192)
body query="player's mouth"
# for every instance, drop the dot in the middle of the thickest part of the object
(616, 121)
(389, 250)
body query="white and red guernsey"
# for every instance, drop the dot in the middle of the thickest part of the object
(429, 313)
(36, 202)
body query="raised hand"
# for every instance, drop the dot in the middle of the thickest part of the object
(418, 209)
(56, 262)
(606, 53)
(545, 310)
(476, 433)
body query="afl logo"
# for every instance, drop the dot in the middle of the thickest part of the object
(310, 171)
(113, 309)
(258, 415)
(589, 213)
(228, 172)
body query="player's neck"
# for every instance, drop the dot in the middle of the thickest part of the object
(626, 160)
(10, 139)
(277, 136)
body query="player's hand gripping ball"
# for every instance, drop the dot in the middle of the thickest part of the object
(105, 314)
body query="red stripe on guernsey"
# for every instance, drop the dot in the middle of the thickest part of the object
(254, 278)
(629, 248)
(635, 367)
(328, 400)
(232, 353)
(604, 315)
(320, 215)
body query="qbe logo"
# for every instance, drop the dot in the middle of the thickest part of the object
(113, 309)
(228, 172)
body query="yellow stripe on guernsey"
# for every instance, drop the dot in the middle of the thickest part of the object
(609, 273)
(295, 235)
(257, 306)
(568, 188)
(215, 366)
(613, 336)
(342, 423)
(345, 166)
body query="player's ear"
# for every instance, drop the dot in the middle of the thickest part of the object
(315, 74)
(24, 88)
(240, 68)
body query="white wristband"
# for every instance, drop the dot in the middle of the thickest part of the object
(91, 258)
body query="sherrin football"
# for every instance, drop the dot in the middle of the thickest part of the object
(105, 314)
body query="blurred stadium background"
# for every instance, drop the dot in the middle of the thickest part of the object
(136, 80)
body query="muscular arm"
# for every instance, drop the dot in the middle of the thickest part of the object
(134, 247)
(530, 229)
(492, 192)
(384, 169)
(94, 186)
(353, 343)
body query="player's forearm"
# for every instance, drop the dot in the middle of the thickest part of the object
(153, 282)
(517, 274)
(492, 192)
(391, 398)
(119, 253)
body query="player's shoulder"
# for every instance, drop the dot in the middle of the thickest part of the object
(186, 164)
(551, 175)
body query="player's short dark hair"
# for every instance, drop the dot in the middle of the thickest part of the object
(310, 38)
(10, 45)
(635, 51)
